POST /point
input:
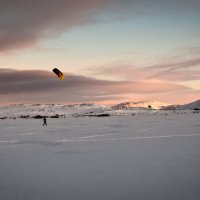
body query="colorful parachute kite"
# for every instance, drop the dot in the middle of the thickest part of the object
(58, 73)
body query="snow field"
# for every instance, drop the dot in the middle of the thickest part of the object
(118, 157)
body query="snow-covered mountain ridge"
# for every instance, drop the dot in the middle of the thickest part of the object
(85, 109)
(190, 106)
(142, 104)
(31, 110)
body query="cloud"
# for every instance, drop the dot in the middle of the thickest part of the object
(24, 23)
(172, 71)
(177, 71)
(35, 86)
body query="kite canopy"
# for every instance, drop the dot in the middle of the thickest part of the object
(59, 73)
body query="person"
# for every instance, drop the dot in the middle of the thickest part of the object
(44, 121)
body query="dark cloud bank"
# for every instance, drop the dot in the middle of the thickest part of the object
(37, 86)
(24, 23)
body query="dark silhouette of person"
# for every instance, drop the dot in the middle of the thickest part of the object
(44, 121)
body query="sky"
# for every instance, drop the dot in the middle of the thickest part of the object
(110, 51)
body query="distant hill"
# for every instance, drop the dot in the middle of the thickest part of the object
(31, 110)
(85, 109)
(190, 106)
(143, 104)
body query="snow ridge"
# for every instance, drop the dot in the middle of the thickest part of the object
(85, 109)
(142, 104)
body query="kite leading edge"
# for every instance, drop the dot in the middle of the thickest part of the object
(59, 73)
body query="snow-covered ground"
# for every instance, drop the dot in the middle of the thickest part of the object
(79, 110)
(31, 110)
(141, 157)
(142, 104)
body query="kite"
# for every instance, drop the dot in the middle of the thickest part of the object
(59, 73)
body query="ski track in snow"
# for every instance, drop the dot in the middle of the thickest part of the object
(29, 133)
(8, 141)
(128, 138)
(93, 138)
(102, 137)
(86, 137)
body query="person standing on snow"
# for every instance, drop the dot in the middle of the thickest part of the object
(44, 121)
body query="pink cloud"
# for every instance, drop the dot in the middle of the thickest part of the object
(178, 71)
